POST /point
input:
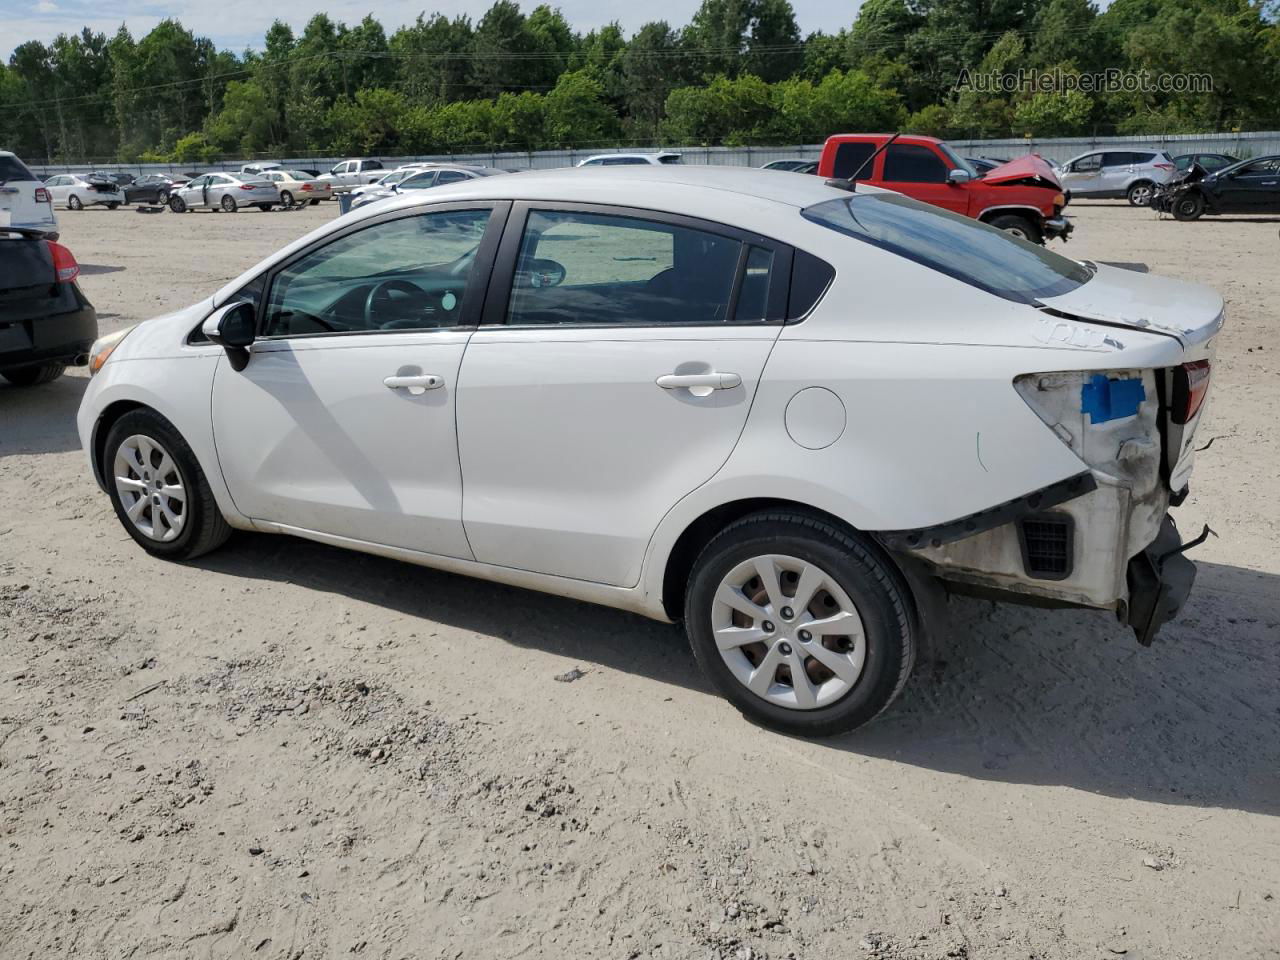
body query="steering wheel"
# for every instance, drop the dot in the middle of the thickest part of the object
(382, 291)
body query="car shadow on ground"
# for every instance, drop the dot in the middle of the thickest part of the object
(1013, 695)
(93, 269)
(40, 419)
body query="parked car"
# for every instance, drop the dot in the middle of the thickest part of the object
(1209, 161)
(1248, 186)
(153, 188)
(1023, 196)
(792, 166)
(1132, 174)
(46, 322)
(259, 167)
(424, 179)
(350, 174)
(227, 192)
(384, 183)
(117, 177)
(629, 159)
(24, 200)
(75, 191)
(709, 393)
(295, 186)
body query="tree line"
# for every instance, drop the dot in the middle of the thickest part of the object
(739, 72)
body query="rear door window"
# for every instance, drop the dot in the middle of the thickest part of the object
(850, 157)
(912, 163)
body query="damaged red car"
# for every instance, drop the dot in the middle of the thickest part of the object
(1023, 196)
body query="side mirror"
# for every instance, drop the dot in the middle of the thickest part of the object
(959, 176)
(233, 328)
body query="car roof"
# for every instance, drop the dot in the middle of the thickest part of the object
(634, 153)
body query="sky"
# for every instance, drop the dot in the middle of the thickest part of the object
(236, 24)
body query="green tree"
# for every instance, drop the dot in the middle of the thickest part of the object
(651, 69)
(431, 58)
(577, 113)
(501, 48)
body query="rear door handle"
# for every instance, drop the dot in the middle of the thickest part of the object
(693, 381)
(415, 384)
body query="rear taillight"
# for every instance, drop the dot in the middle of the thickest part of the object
(64, 264)
(306, 186)
(42, 195)
(1190, 384)
(1163, 166)
(247, 186)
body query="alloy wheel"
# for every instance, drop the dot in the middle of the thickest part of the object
(788, 632)
(1140, 196)
(150, 488)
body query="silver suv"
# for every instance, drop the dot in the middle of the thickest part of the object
(1132, 174)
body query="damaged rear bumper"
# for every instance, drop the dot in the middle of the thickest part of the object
(1160, 580)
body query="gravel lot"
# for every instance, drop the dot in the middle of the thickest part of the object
(283, 750)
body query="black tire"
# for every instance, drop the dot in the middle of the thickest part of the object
(880, 594)
(265, 207)
(286, 198)
(113, 205)
(1139, 193)
(314, 202)
(177, 205)
(1019, 226)
(34, 376)
(73, 203)
(204, 528)
(228, 203)
(1188, 207)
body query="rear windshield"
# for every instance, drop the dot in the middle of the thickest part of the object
(11, 168)
(669, 158)
(960, 247)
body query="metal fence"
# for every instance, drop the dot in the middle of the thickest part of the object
(1061, 149)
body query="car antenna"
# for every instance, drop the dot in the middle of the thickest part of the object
(851, 183)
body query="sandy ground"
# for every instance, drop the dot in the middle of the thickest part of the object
(284, 750)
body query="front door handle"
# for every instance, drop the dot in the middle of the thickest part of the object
(699, 384)
(415, 384)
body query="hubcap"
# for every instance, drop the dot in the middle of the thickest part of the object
(1141, 195)
(150, 488)
(788, 632)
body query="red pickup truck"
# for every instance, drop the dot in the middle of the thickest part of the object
(1023, 196)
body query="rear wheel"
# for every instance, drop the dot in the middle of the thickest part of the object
(34, 376)
(802, 625)
(177, 205)
(1020, 227)
(229, 203)
(286, 198)
(114, 204)
(73, 203)
(1139, 194)
(1189, 206)
(158, 490)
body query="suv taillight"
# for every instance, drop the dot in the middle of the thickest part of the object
(1190, 384)
(1163, 166)
(42, 195)
(64, 264)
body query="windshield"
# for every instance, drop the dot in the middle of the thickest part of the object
(960, 247)
(957, 162)
(295, 174)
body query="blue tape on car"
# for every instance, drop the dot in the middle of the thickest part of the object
(1104, 399)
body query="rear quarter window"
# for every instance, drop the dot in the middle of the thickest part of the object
(11, 168)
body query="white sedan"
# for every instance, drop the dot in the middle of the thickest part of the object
(75, 191)
(297, 186)
(791, 416)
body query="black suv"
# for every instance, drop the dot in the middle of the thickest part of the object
(46, 322)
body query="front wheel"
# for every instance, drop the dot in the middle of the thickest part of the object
(159, 492)
(1189, 206)
(228, 203)
(177, 205)
(34, 376)
(1139, 194)
(113, 205)
(1020, 227)
(804, 626)
(73, 203)
(286, 198)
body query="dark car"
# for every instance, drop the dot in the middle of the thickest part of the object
(154, 188)
(1210, 161)
(46, 322)
(123, 179)
(1249, 186)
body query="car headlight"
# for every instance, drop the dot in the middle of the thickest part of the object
(103, 347)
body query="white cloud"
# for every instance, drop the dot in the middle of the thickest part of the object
(46, 6)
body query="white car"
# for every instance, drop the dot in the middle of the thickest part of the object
(630, 159)
(297, 186)
(75, 191)
(24, 200)
(259, 167)
(789, 415)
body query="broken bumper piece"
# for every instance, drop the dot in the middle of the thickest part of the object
(1058, 228)
(1160, 579)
